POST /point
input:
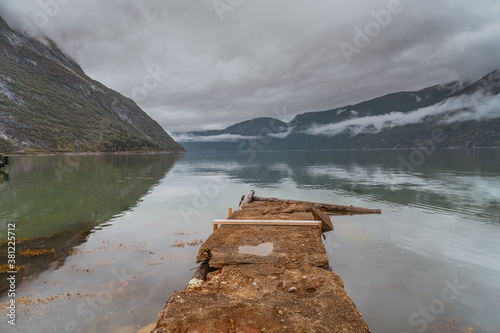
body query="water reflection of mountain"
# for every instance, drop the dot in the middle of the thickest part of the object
(457, 180)
(56, 201)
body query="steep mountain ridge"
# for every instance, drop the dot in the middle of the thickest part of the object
(468, 115)
(48, 104)
(252, 127)
(488, 84)
(404, 101)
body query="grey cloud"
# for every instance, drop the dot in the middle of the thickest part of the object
(187, 137)
(479, 106)
(267, 54)
(213, 138)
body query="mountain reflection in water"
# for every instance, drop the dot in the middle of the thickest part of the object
(55, 202)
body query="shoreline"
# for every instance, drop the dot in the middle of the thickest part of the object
(231, 151)
(337, 150)
(99, 153)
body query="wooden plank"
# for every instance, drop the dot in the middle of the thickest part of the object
(324, 206)
(267, 222)
(247, 199)
(318, 214)
(270, 222)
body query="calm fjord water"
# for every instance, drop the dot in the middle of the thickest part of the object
(107, 239)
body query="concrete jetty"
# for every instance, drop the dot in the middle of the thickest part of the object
(264, 269)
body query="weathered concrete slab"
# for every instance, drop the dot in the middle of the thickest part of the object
(291, 246)
(270, 279)
(263, 298)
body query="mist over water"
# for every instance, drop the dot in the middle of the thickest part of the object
(439, 228)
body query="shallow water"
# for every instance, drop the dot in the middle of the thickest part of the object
(125, 231)
(263, 249)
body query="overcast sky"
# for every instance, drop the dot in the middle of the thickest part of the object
(205, 64)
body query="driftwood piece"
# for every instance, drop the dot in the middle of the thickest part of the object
(202, 271)
(247, 199)
(326, 222)
(324, 206)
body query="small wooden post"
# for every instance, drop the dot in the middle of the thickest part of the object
(248, 198)
(230, 212)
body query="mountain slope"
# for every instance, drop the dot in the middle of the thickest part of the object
(439, 116)
(404, 101)
(252, 127)
(47, 103)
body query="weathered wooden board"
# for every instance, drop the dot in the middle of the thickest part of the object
(318, 214)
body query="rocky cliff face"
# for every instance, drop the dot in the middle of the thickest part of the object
(48, 104)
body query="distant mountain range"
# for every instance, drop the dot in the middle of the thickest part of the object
(452, 115)
(48, 104)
